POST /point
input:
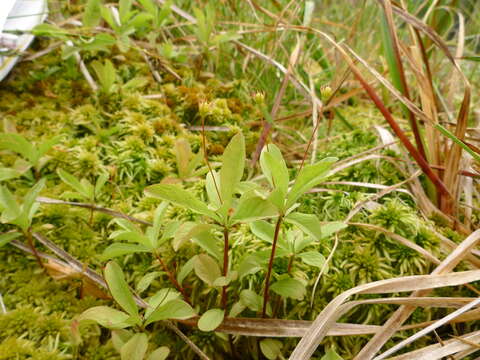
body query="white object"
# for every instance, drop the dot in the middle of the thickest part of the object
(22, 16)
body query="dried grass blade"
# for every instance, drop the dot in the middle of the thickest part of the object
(402, 314)
(429, 328)
(441, 351)
(319, 329)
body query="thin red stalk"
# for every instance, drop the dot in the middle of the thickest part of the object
(270, 265)
(29, 237)
(413, 122)
(172, 278)
(225, 267)
(403, 138)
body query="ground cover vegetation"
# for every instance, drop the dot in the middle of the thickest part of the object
(242, 180)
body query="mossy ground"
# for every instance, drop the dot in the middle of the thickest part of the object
(132, 138)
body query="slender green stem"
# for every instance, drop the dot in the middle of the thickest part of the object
(225, 267)
(270, 264)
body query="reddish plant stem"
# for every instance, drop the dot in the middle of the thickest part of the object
(29, 237)
(172, 278)
(270, 265)
(225, 266)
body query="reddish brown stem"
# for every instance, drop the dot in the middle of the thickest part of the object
(172, 279)
(29, 237)
(270, 265)
(225, 267)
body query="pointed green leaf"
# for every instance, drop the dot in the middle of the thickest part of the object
(212, 189)
(233, 163)
(331, 355)
(331, 228)
(174, 309)
(263, 230)
(100, 183)
(120, 249)
(160, 298)
(106, 317)
(274, 167)
(206, 268)
(146, 280)
(251, 300)
(11, 210)
(8, 173)
(312, 258)
(271, 348)
(308, 177)
(180, 197)
(119, 288)
(17, 143)
(211, 319)
(135, 348)
(91, 14)
(185, 270)
(309, 223)
(160, 353)
(31, 196)
(253, 208)
(208, 242)
(73, 182)
(47, 145)
(289, 287)
(7, 237)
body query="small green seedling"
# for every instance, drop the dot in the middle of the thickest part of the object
(34, 154)
(20, 214)
(188, 163)
(133, 344)
(84, 189)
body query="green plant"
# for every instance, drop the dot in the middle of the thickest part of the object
(20, 214)
(34, 154)
(133, 344)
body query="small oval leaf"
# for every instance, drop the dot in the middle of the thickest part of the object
(211, 319)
